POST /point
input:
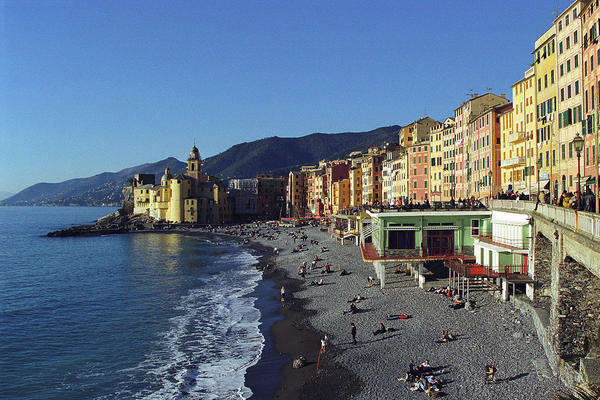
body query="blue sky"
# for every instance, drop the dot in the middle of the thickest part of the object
(91, 86)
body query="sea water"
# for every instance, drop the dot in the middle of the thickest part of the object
(156, 316)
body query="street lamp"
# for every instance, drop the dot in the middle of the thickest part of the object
(578, 145)
(490, 176)
(539, 166)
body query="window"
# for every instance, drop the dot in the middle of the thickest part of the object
(568, 65)
(562, 69)
(575, 37)
(474, 227)
(415, 184)
(568, 42)
(576, 60)
(401, 239)
(552, 75)
(576, 87)
(562, 94)
(560, 25)
(567, 20)
(560, 48)
(569, 91)
(591, 63)
(546, 81)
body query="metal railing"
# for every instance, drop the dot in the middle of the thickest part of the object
(578, 221)
(513, 243)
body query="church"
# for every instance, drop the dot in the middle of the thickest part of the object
(192, 197)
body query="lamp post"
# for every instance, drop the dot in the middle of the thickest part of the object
(539, 166)
(490, 180)
(578, 145)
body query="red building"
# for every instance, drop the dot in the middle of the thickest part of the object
(418, 171)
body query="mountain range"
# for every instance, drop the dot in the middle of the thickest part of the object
(273, 155)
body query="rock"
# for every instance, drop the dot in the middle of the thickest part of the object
(299, 362)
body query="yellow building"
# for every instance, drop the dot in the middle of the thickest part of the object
(355, 179)
(448, 160)
(518, 157)
(545, 132)
(436, 168)
(192, 197)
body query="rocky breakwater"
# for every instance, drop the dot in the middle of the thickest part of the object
(117, 222)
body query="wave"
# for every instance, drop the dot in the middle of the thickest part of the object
(213, 340)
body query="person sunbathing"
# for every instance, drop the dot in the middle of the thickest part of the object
(490, 372)
(356, 298)
(317, 283)
(344, 272)
(353, 309)
(424, 366)
(370, 281)
(391, 317)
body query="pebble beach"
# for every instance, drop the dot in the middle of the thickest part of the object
(491, 333)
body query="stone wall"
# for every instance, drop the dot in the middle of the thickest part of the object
(578, 311)
(542, 268)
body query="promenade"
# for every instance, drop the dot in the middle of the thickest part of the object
(492, 333)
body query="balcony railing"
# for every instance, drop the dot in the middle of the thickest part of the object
(510, 162)
(511, 243)
(578, 221)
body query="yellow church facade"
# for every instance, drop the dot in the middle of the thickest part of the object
(193, 197)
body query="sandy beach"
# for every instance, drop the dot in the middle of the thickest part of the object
(492, 333)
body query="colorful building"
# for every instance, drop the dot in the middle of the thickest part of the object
(192, 197)
(506, 145)
(462, 117)
(436, 139)
(418, 171)
(590, 26)
(416, 131)
(371, 176)
(518, 159)
(485, 152)
(545, 95)
(449, 160)
(355, 178)
(570, 92)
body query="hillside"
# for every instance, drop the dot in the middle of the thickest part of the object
(101, 189)
(271, 155)
(280, 155)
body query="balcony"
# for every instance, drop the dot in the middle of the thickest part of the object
(520, 137)
(509, 243)
(512, 162)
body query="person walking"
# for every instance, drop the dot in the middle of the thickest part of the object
(353, 332)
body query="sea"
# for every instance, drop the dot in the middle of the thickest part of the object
(131, 316)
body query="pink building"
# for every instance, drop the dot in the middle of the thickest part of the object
(484, 167)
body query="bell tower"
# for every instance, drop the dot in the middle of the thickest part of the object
(194, 167)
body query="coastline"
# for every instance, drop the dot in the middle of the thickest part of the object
(369, 369)
(292, 335)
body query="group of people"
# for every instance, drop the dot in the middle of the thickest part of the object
(421, 378)
(587, 202)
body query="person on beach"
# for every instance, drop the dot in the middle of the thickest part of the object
(353, 309)
(490, 373)
(353, 332)
(282, 301)
(282, 291)
(344, 273)
(370, 281)
(324, 342)
(356, 298)
(447, 336)
(397, 316)
(381, 329)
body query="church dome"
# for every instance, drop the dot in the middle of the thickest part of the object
(194, 153)
(165, 177)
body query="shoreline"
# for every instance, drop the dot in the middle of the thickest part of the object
(367, 370)
(292, 334)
